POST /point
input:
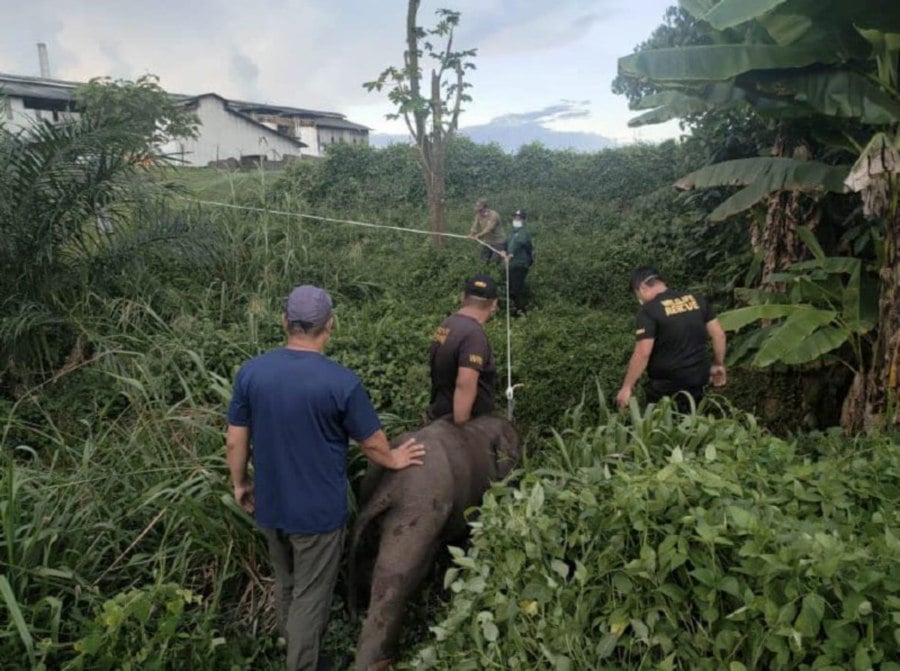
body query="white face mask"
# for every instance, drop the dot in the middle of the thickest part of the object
(517, 223)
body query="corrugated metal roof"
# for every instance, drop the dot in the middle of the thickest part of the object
(325, 119)
(57, 89)
(35, 87)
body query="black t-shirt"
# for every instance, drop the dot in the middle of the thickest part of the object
(676, 320)
(460, 342)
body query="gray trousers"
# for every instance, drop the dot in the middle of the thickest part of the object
(306, 569)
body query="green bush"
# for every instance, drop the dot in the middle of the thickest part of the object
(682, 542)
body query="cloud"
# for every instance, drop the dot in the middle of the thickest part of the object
(513, 26)
(566, 109)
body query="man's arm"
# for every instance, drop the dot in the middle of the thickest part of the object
(474, 228)
(237, 454)
(377, 449)
(464, 394)
(636, 367)
(717, 373)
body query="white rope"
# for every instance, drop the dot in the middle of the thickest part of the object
(510, 388)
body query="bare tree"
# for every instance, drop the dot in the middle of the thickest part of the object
(430, 108)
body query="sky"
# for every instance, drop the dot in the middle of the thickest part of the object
(534, 56)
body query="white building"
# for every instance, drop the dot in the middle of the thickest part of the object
(24, 100)
(230, 131)
(225, 133)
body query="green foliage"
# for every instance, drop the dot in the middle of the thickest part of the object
(673, 541)
(66, 193)
(825, 303)
(151, 115)
(114, 489)
(146, 629)
(762, 177)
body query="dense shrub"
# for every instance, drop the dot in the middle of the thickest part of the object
(673, 542)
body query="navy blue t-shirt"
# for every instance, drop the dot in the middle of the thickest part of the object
(301, 408)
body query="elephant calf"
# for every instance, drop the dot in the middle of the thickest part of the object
(418, 511)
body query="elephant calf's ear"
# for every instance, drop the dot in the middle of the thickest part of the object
(506, 452)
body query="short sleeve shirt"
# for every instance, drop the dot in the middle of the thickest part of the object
(490, 226)
(460, 342)
(676, 321)
(301, 409)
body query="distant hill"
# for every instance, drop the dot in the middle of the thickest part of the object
(511, 138)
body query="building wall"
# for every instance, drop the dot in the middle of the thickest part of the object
(223, 135)
(308, 135)
(328, 136)
(14, 116)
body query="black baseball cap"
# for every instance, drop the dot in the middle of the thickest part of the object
(644, 274)
(481, 286)
(521, 214)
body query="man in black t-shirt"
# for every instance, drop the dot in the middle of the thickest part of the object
(463, 373)
(672, 330)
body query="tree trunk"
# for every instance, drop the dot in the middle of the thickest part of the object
(780, 245)
(778, 240)
(882, 395)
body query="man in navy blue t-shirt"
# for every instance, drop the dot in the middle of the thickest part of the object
(298, 409)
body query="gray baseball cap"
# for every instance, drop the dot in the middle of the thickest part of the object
(308, 304)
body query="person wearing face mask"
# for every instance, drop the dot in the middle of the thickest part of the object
(672, 330)
(519, 255)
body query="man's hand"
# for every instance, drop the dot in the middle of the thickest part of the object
(717, 376)
(408, 454)
(623, 397)
(243, 496)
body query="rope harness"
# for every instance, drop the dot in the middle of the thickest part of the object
(510, 387)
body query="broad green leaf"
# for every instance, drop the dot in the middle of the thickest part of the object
(678, 107)
(745, 345)
(697, 8)
(683, 102)
(838, 265)
(764, 175)
(720, 62)
(731, 13)
(811, 242)
(835, 92)
(812, 611)
(789, 341)
(817, 344)
(735, 319)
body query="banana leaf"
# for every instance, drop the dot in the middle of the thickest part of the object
(788, 343)
(836, 92)
(860, 301)
(731, 13)
(736, 319)
(742, 348)
(763, 176)
(684, 101)
(721, 62)
(812, 346)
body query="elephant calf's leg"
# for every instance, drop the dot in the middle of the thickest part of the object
(404, 559)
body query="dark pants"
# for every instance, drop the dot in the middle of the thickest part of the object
(517, 292)
(487, 255)
(306, 570)
(657, 389)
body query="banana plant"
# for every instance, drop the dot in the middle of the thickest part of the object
(835, 65)
(827, 302)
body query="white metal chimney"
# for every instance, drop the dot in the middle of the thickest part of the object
(44, 60)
